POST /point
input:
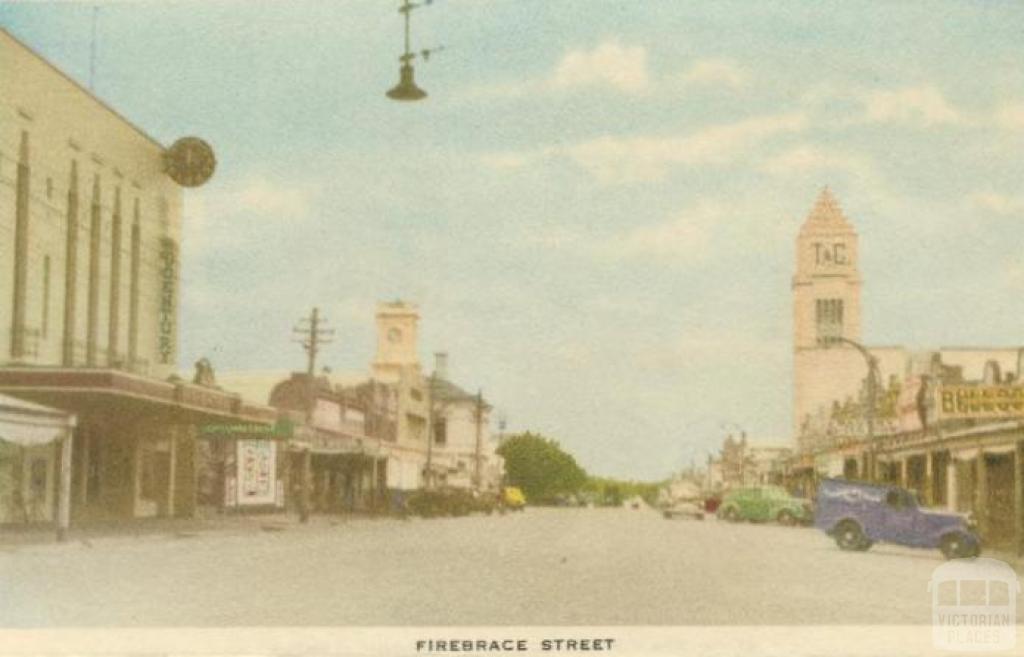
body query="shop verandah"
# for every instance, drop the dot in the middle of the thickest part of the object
(138, 448)
(333, 472)
(975, 469)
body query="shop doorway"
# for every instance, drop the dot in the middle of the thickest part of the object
(999, 506)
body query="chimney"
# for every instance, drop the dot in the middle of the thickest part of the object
(441, 365)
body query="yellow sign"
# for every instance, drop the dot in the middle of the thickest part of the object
(981, 401)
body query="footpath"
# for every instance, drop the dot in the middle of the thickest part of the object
(14, 538)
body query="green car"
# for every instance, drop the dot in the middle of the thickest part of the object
(764, 503)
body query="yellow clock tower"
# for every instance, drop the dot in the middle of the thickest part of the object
(397, 324)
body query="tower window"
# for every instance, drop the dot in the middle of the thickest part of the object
(828, 317)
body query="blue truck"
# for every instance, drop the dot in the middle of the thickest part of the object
(858, 514)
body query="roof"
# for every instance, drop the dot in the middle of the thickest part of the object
(826, 215)
(445, 390)
(298, 392)
(74, 82)
(256, 385)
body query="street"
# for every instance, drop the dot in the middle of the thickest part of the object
(540, 567)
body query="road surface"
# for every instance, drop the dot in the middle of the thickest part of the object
(540, 567)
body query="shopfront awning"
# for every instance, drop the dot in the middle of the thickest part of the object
(24, 423)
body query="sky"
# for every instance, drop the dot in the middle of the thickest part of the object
(596, 206)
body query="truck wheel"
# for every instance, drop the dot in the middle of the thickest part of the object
(953, 546)
(849, 536)
(786, 518)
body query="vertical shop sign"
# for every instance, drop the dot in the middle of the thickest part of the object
(167, 317)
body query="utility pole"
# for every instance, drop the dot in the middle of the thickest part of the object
(431, 387)
(479, 423)
(313, 336)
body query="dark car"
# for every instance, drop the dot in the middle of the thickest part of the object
(859, 514)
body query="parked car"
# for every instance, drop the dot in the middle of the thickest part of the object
(764, 503)
(684, 509)
(859, 514)
(448, 502)
(512, 497)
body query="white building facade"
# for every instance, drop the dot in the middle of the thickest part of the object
(464, 450)
(90, 228)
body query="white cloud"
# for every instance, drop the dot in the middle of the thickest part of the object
(998, 203)
(1011, 116)
(687, 235)
(712, 349)
(923, 106)
(609, 65)
(807, 158)
(216, 215)
(623, 68)
(715, 72)
(647, 158)
(621, 160)
(272, 199)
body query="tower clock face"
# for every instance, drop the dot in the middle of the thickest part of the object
(189, 162)
(394, 335)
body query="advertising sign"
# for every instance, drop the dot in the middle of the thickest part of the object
(257, 472)
(981, 402)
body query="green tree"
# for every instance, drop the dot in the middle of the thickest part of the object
(613, 492)
(540, 467)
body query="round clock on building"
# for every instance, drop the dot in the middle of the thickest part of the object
(189, 162)
(394, 335)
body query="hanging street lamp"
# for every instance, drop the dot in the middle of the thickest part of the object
(406, 89)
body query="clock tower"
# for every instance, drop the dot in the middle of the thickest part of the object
(397, 324)
(826, 304)
(826, 287)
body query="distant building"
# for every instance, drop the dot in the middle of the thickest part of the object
(742, 463)
(348, 470)
(396, 403)
(464, 453)
(399, 383)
